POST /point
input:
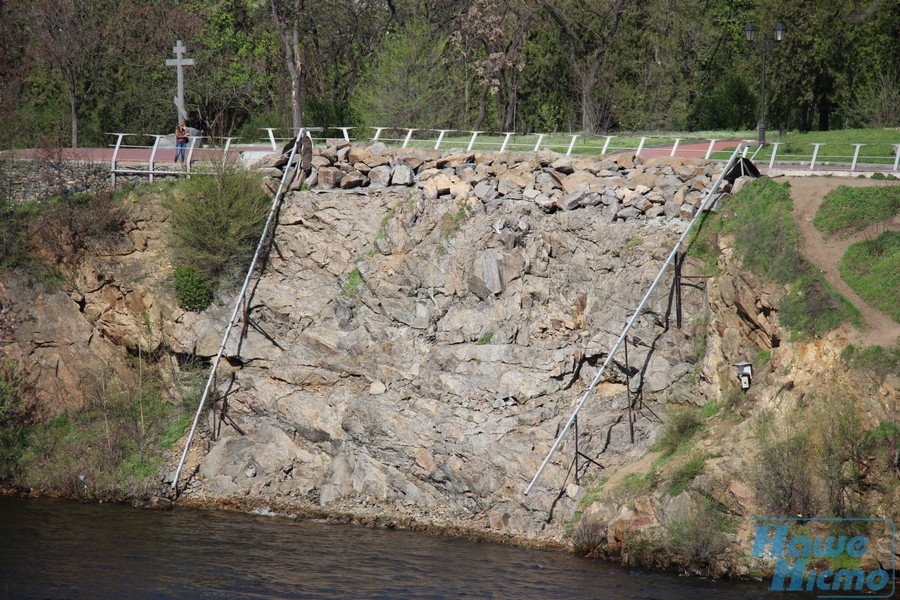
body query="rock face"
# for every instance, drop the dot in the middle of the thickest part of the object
(426, 335)
(71, 344)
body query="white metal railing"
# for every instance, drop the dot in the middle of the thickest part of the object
(822, 155)
(637, 313)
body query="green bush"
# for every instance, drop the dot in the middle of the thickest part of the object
(695, 537)
(846, 210)
(872, 269)
(216, 220)
(782, 472)
(193, 289)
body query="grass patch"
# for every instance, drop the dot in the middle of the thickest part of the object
(485, 339)
(711, 409)
(684, 474)
(872, 269)
(677, 431)
(847, 210)
(768, 241)
(112, 448)
(878, 359)
(351, 286)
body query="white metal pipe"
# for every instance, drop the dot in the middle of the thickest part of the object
(674, 147)
(507, 135)
(812, 163)
(378, 131)
(606, 144)
(408, 137)
(855, 156)
(572, 144)
(271, 131)
(537, 145)
(153, 154)
(709, 150)
(897, 158)
(472, 141)
(346, 131)
(441, 132)
(237, 305)
(640, 147)
(774, 152)
(587, 394)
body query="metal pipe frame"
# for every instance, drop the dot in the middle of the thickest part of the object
(637, 313)
(237, 305)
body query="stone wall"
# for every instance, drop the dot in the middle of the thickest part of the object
(27, 180)
(624, 186)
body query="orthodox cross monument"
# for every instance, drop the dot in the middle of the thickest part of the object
(180, 62)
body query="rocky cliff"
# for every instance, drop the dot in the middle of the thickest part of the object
(422, 328)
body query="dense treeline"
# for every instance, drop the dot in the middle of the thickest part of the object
(71, 70)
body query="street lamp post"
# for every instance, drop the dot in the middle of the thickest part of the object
(764, 46)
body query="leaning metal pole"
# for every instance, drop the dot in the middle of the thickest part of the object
(237, 303)
(637, 313)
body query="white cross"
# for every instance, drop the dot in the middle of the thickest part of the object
(180, 62)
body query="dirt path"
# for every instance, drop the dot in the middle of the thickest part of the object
(807, 194)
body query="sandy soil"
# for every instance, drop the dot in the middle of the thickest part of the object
(807, 194)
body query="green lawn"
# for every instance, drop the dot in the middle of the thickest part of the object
(847, 210)
(872, 269)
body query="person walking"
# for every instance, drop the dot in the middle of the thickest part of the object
(181, 140)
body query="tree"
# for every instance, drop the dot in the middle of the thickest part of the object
(287, 14)
(407, 84)
(589, 27)
(77, 39)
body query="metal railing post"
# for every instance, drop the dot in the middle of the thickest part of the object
(441, 132)
(812, 163)
(472, 141)
(408, 137)
(709, 150)
(571, 145)
(537, 145)
(346, 131)
(225, 150)
(378, 131)
(674, 147)
(774, 152)
(855, 156)
(115, 155)
(897, 157)
(606, 144)
(506, 137)
(194, 139)
(153, 154)
(271, 131)
(640, 147)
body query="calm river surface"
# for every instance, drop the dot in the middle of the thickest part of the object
(56, 549)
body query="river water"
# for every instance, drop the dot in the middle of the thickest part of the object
(58, 549)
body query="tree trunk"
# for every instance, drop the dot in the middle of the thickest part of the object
(73, 105)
